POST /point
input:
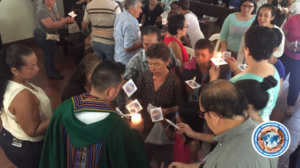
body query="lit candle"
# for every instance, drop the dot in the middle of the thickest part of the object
(220, 55)
(136, 118)
(194, 80)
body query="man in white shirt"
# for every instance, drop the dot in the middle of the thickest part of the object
(193, 30)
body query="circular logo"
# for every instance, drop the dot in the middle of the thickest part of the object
(194, 84)
(156, 114)
(134, 108)
(129, 88)
(271, 139)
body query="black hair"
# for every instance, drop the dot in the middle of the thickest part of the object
(184, 4)
(223, 98)
(260, 41)
(159, 51)
(204, 44)
(175, 22)
(188, 113)
(86, 66)
(273, 13)
(174, 2)
(151, 30)
(107, 74)
(13, 57)
(256, 92)
(278, 36)
(252, 1)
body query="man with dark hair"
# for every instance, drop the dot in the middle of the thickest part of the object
(199, 66)
(223, 105)
(138, 63)
(87, 131)
(193, 30)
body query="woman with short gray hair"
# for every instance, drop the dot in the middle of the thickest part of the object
(48, 22)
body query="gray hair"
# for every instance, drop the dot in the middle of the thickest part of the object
(132, 3)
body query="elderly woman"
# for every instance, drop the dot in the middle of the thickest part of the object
(26, 110)
(151, 12)
(260, 43)
(48, 22)
(177, 27)
(80, 82)
(160, 87)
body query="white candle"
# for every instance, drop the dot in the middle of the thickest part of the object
(136, 118)
(171, 123)
(194, 80)
(296, 43)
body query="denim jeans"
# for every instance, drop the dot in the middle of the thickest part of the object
(48, 47)
(292, 66)
(104, 51)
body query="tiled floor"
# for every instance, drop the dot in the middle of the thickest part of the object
(65, 64)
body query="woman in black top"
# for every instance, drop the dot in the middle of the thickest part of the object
(280, 14)
(80, 81)
(150, 13)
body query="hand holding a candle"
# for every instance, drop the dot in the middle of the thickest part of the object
(68, 19)
(214, 73)
(137, 122)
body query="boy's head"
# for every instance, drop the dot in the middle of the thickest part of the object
(203, 51)
(183, 5)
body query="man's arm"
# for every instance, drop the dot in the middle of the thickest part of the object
(131, 32)
(134, 47)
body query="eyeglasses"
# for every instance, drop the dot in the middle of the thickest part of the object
(201, 113)
(246, 6)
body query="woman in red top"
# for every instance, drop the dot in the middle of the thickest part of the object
(176, 29)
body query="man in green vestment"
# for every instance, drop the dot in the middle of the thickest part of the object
(86, 132)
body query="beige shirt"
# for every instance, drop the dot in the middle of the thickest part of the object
(102, 15)
(9, 120)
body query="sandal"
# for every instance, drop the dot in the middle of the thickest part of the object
(290, 111)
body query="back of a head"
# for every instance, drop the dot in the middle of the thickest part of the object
(184, 4)
(256, 92)
(12, 57)
(107, 74)
(278, 36)
(204, 44)
(132, 3)
(175, 22)
(85, 67)
(151, 30)
(174, 2)
(159, 51)
(223, 98)
(261, 42)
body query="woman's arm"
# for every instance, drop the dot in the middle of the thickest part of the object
(52, 25)
(177, 51)
(241, 53)
(170, 110)
(224, 33)
(194, 147)
(143, 20)
(281, 80)
(25, 107)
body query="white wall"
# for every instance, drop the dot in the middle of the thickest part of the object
(18, 19)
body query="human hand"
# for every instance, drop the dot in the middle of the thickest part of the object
(87, 40)
(69, 19)
(164, 112)
(293, 48)
(185, 128)
(232, 63)
(177, 165)
(214, 73)
(189, 89)
(138, 126)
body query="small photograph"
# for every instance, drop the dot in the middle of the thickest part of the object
(193, 84)
(242, 67)
(156, 114)
(218, 61)
(129, 87)
(134, 106)
(226, 55)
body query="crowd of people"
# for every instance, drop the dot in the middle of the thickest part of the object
(87, 131)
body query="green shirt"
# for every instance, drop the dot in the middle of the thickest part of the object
(109, 143)
(273, 92)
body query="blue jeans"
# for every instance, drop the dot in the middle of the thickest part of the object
(292, 67)
(104, 51)
(48, 47)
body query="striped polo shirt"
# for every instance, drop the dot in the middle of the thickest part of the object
(102, 15)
